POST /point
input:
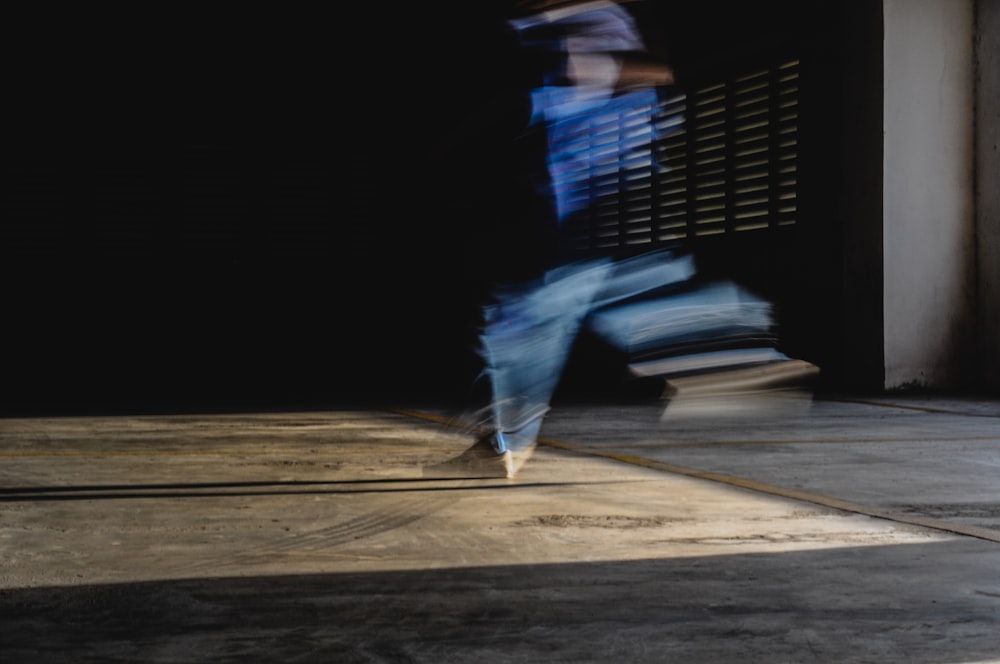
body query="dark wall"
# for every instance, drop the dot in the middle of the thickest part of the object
(230, 209)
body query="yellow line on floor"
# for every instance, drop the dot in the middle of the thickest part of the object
(903, 406)
(421, 415)
(825, 441)
(754, 485)
(784, 492)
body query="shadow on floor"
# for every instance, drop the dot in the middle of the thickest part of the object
(933, 603)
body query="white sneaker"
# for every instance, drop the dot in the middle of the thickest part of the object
(514, 461)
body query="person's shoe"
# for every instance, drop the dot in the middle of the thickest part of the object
(479, 461)
(778, 389)
(518, 446)
(482, 460)
(514, 461)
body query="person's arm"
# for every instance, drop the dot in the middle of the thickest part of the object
(620, 71)
(636, 73)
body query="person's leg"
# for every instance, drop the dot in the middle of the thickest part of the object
(526, 339)
(714, 346)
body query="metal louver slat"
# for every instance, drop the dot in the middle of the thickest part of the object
(725, 163)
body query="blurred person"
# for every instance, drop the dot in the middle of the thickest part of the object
(578, 61)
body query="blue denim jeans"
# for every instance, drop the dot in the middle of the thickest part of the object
(529, 330)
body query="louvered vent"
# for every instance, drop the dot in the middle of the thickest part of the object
(726, 164)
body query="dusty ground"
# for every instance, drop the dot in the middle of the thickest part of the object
(314, 537)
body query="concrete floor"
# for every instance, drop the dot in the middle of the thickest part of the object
(850, 530)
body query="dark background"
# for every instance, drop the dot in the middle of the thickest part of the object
(219, 209)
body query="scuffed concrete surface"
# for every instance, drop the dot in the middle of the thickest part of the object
(314, 537)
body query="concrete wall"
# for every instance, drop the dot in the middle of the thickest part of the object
(988, 186)
(929, 267)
